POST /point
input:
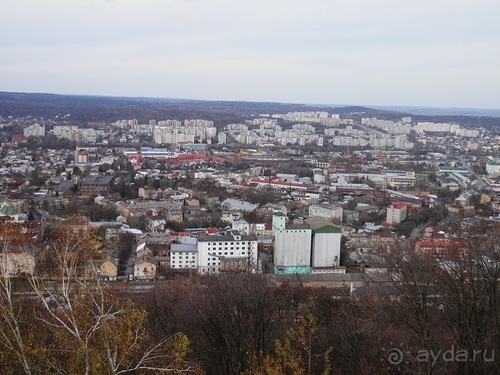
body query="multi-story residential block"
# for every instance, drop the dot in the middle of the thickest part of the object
(440, 246)
(216, 253)
(184, 256)
(96, 185)
(70, 132)
(214, 250)
(493, 167)
(173, 135)
(34, 130)
(397, 212)
(328, 212)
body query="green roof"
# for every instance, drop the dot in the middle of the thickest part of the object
(322, 225)
(328, 229)
(9, 210)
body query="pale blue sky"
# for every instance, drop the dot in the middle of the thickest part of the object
(438, 53)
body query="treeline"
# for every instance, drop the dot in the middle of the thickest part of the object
(85, 109)
(431, 317)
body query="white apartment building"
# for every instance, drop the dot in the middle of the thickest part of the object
(436, 127)
(89, 135)
(67, 131)
(397, 212)
(34, 130)
(207, 254)
(493, 167)
(214, 250)
(184, 256)
(327, 212)
(173, 135)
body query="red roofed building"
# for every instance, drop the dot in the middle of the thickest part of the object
(187, 158)
(397, 212)
(212, 232)
(18, 138)
(82, 156)
(440, 246)
(136, 159)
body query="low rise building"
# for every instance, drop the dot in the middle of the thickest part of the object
(95, 185)
(329, 212)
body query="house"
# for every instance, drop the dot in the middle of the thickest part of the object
(155, 225)
(8, 210)
(65, 188)
(174, 215)
(17, 263)
(109, 268)
(145, 268)
(231, 204)
(371, 242)
(241, 226)
(149, 193)
(143, 251)
(349, 216)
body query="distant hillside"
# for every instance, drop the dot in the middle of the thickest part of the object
(104, 108)
(85, 109)
(443, 111)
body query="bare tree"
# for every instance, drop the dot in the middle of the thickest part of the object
(80, 325)
(12, 337)
(449, 300)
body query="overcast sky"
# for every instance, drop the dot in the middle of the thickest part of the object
(439, 53)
